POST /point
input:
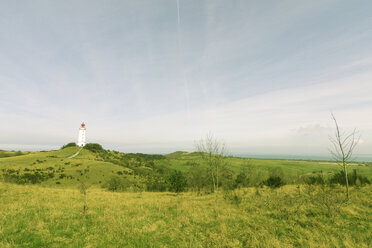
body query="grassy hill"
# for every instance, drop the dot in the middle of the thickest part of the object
(48, 199)
(56, 169)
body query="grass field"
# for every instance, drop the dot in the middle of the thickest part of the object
(49, 212)
(34, 216)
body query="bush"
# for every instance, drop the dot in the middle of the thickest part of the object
(18, 153)
(242, 180)
(319, 179)
(156, 184)
(353, 178)
(93, 147)
(177, 182)
(198, 178)
(116, 183)
(275, 179)
(274, 182)
(226, 179)
(71, 144)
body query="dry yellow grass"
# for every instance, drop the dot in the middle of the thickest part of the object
(33, 216)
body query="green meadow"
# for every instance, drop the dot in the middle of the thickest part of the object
(50, 200)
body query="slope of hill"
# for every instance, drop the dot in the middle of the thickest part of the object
(54, 168)
(141, 171)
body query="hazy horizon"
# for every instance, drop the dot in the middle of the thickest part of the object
(154, 77)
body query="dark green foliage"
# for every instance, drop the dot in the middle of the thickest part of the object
(274, 182)
(276, 178)
(353, 178)
(5, 154)
(144, 157)
(319, 179)
(177, 182)
(116, 183)
(18, 153)
(226, 179)
(198, 178)
(94, 147)
(156, 184)
(71, 144)
(27, 178)
(242, 180)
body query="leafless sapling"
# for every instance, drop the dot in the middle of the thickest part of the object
(344, 144)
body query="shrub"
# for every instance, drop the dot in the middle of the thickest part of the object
(275, 179)
(116, 183)
(319, 179)
(241, 180)
(18, 153)
(353, 179)
(156, 183)
(274, 182)
(177, 182)
(199, 178)
(71, 144)
(93, 147)
(226, 179)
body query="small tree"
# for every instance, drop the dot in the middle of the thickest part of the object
(344, 144)
(177, 182)
(213, 151)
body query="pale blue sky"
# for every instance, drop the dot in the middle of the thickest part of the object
(262, 75)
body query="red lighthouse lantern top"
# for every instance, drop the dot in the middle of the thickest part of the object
(83, 124)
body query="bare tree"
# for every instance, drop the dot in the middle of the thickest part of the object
(344, 144)
(213, 151)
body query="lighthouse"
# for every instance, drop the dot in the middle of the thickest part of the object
(81, 138)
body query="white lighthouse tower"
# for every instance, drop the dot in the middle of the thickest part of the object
(81, 138)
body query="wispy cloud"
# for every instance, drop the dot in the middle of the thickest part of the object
(147, 79)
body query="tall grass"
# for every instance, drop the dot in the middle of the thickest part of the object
(34, 216)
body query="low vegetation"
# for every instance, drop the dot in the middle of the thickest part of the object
(291, 216)
(103, 198)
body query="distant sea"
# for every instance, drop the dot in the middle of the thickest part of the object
(356, 157)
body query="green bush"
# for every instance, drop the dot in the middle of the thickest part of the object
(198, 178)
(117, 184)
(177, 182)
(274, 182)
(319, 179)
(93, 147)
(353, 178)
(156, 184)
(71, 144)
(242, 180)
(276, 178)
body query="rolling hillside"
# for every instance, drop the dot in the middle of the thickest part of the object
(50, 208)
(56, 169)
